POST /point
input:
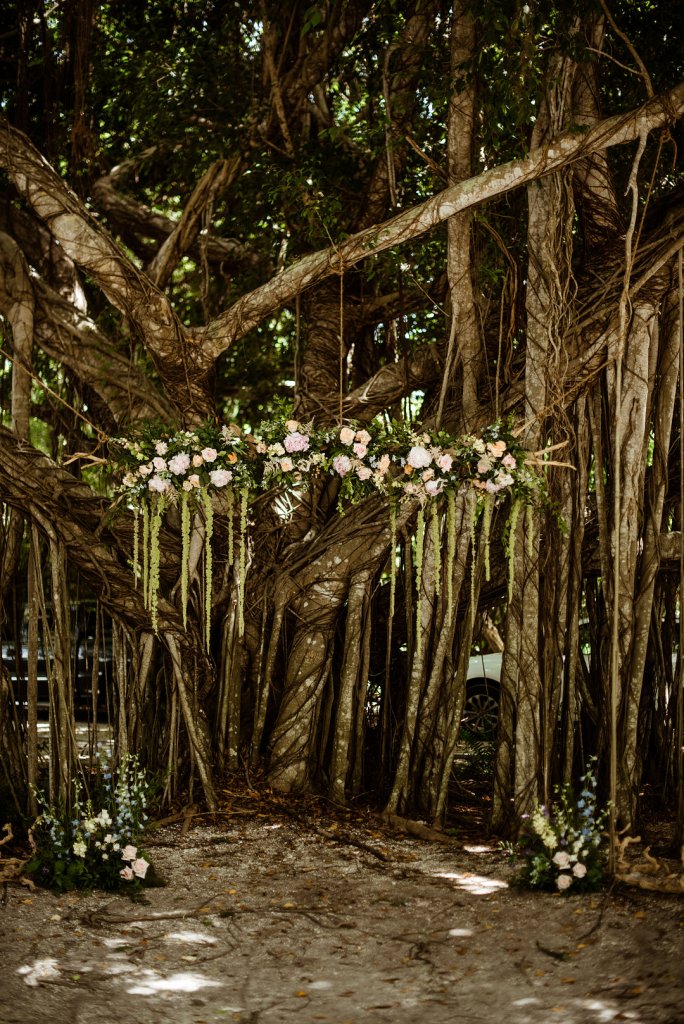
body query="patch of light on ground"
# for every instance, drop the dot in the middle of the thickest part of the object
(39, 970)
(478, 849)
(478, 885)
(198, 937)
(151, 983)
(460, 933)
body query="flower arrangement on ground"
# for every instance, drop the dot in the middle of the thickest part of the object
(563, 845)
(95, 844)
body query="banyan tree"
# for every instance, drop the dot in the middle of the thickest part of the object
(242, 242)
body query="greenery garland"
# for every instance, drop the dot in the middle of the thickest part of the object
(401, 461)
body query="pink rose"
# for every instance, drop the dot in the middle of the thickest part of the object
(129, 852)
(360, 450)
(363, 436)
(564, 882)
(347, 435)
(579, 870)
(445, 462)
(140, 867)
(509, 462)
(364, 473)
(342, 464)
(127, 874)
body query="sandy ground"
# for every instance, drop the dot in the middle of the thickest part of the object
(270, 918)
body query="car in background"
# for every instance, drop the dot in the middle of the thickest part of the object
(483, 690)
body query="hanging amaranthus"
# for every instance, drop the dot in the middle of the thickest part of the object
(435, 545)
(230, 502)
(146, 552)
(451, 550)
(510, 532)
(393, 553)
(208, 563)
(473, 541)
(185, 554)
(420, 548)
(155, 530)
(242, 571)
(488, 508)
(136, 545)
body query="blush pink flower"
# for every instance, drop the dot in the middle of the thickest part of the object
(484, 465)
(156, 483)
(286, 465)
(347, 435)
(159, 463)
(129, 852)
(360, 450)
(496, 448)
(194, 480)
(341, 464)
(292, 425)
(564, 882)
(296, 442)
(161, 447)
(140, 867)
(445, 462)
(579, 870)
(383, 464)
(363, 436)
(434, 487)
(197, 461)
(179, 464)
(220, 477)
(364, 473)
(127, 874)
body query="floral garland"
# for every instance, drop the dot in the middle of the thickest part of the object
(188, 468)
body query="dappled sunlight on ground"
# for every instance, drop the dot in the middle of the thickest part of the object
(476, 885)
(153, 983)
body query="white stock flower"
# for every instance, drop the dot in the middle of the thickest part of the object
(79, 848)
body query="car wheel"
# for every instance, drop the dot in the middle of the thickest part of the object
(481, 708)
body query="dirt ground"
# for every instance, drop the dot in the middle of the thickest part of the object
(271, 917)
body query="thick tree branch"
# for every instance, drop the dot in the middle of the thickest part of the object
(573, 145)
